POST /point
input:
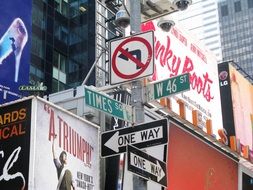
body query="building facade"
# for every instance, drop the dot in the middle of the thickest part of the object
(63, 42)
(236, 27)
(201, 19)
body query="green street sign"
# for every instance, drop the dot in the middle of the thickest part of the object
(104, 103)
(167, 87)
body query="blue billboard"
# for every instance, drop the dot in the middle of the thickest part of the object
(15, 37)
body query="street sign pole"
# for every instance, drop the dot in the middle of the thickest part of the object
(136, 97)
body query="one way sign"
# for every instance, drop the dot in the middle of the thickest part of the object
(141, 136)
(146, 166)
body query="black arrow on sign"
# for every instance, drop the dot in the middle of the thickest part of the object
(136, 53)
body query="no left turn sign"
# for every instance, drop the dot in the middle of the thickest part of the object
(131, 57)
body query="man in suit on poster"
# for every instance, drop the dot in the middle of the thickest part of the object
(65, 179)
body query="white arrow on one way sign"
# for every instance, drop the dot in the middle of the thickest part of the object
(117, 140)
(141, 136)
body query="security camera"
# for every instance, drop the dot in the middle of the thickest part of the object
(166, 25)
(182, 4)
(122, 19)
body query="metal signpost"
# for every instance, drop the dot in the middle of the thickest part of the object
(108, 105)
(146, 166)
(141, 136)
(167, 87)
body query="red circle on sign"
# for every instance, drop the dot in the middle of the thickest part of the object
(129, 56)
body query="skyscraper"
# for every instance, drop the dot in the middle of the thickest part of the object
(236, 30)
(63, 42)
(202, 21)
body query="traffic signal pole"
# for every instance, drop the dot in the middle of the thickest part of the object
(136, 90)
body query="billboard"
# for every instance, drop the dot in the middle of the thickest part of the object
(193, 164)
(176, 53)
(15, 35)
(237, 107)
(15, 126)
(64, 150)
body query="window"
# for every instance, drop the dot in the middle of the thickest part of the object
(38, 17)
(250, 3)
(37, 46)
(61, 32)
(59, 61)
(238, 6)
(224, 10)
(62, 7)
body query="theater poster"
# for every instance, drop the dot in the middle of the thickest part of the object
(15, 38)
(64, 150)
(15, 124)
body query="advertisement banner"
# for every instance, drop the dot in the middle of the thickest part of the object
(66, 151)
(193, 164)
(15, 37)
(176, 53)
(15, 124)
(237, 107)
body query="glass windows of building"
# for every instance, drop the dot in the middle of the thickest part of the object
(63, 42)
(61, 31)
(62, 7)
(37, 46)
(224, 10)
(238, 6)
(250, 3)
(38, 15)
(237, 33)
(59, 61)
(59, 71)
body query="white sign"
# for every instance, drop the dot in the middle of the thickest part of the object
(57, 133)
(131, 57)
(143, 135)
(176, 53)
(150, 167)
(146, 166)
(117, 140)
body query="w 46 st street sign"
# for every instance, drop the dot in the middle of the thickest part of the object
(141, 136)
(167, 87)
